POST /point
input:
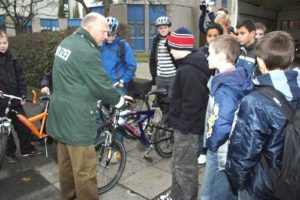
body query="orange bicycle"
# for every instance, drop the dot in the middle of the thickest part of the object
(6, 125)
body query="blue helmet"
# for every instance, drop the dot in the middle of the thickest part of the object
(113, 25)
(163, 20)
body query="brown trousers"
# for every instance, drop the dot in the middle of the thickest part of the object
(77, 172)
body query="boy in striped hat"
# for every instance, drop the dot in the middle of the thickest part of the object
(187, 113)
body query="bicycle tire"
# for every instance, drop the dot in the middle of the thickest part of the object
(163, 148)
(105, 178)
(3, 143)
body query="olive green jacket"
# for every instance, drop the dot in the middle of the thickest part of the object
(78, 82)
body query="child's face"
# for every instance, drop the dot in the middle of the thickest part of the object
(163, 30)
(3, 44)
(110, 38)
(259, 33)
(211, 34)
(215, 60)
(245, 37)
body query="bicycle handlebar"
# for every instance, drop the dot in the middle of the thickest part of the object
(11, 96)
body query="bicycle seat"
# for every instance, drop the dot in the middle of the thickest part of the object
(160, 91)
(44, 98)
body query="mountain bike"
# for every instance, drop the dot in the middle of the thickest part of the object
(6, 125)
(113, 120)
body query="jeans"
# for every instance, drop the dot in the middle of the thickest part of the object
(184, 167)
(244, 195)
(215, 184)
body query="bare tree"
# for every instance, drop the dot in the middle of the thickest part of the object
(22, 12)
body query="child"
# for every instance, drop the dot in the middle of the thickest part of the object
(12, 81)
(213, 30)
(259, 129)
(260, 30)
(246, 37)
(228, 87)
(187, 113)
(161, 64)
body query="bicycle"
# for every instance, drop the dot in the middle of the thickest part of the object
(113, 120)
(6, 126)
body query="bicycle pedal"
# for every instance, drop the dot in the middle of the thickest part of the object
(148, 158)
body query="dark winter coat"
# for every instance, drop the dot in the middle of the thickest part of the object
(259, 131)
(12, 80)
(190, 94)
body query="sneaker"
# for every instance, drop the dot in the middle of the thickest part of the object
(165, 197)
(11, 158)
(116, 157)
(202, 159)
(34, 152)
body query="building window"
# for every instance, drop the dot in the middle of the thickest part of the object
(224, 3)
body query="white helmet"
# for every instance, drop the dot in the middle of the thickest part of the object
(113, 25)
(163, 20)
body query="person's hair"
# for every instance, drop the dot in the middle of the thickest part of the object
(223, 19)
(215, 26)
(276, 49)
(90, 18)
(224, 10)
(3, 35)
(248, 24)
(261, 26)
(228, 45)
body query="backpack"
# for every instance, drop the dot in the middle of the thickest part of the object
(286, 181)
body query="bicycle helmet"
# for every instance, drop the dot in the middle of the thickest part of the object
(163, 20)
(113, 25)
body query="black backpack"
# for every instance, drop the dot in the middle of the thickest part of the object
(286, 181)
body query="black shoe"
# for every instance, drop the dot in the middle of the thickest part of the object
(33, 152)
(11, 158)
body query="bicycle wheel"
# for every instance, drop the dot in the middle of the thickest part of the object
(3, 143)
(108, 174)
(163, 142)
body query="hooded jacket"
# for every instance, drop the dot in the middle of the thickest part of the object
(227, 91)
(259, 131)
(116, 67)
(190, 94)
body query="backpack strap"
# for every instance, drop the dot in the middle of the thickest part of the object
(280, 101)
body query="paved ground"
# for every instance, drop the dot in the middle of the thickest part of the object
(36, 178)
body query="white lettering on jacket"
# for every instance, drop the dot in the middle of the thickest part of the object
(63, 53)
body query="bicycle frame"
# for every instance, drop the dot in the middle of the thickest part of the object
(140, 134)
(29, 122)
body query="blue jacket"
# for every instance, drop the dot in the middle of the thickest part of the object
(259, 130)
(112, 62)
(247, 59)
(227, 90)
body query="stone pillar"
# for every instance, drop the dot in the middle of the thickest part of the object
(36, 24)
(63, 24)
(10, 27)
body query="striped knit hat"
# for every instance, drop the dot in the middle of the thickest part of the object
(181, 39)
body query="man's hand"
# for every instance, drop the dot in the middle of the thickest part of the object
(45, 90)
(1, 92)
